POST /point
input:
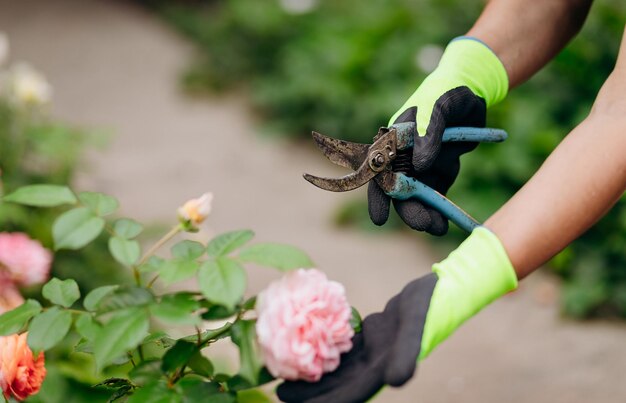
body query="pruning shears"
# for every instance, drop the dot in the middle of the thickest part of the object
(374, 162)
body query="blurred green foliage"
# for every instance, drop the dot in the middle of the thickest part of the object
(35, 149)
(343, 68)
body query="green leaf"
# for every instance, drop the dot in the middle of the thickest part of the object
(86, 326)
(244, 336)
(120, 393)
(187, 249)
(127, 228)
(122, 333)
(216, 312)
(14, 320)
(178, 355)
(156, 391)
(63, 293)
(222, 281)
(48, 328)
(114, 383)
(201, 365)
(238, 382)
(84, 346)
(196, 390)
(99, 203)
(221, 378)
(95, 296)
(145, 372)
(279, 256)
(252, 396)
(175, 270)
(250, 303)
(125, 297)
(124, 251)
(154, 337)
(42, 196)
(76, 228)
(177, 309)
(153, 264)
(121, 386)
(355, 320)
(225, 243)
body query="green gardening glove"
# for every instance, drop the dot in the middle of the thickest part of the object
(469, 79)
(413, 323)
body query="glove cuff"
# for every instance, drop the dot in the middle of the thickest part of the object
(472, 276)
(475, 64)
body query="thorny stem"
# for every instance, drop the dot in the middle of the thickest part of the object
(177, 375)
(154, 279)
(221, 331)
(202, 343)
(199, 335)
(171, 234)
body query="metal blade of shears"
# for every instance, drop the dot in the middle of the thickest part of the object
(343, 153)
(349, 182)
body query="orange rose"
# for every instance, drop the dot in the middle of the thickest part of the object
(21, 375)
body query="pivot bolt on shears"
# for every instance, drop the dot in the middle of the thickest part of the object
(374, 161)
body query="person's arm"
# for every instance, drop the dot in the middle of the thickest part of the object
(527, 34)
(582, 178)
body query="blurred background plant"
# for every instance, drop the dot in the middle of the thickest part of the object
(37, 149)
(342, 68)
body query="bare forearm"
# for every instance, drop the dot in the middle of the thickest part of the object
(527, 34)
(577, 184)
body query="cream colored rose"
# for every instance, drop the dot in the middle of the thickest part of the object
(27, 86)
(195, 211)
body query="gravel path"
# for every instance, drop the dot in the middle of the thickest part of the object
(114, 66)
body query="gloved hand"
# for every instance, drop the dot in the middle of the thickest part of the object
(468, 79)
(413, 323)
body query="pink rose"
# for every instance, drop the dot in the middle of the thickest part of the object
(26, 261)
(21, 375)
(303, 325)
(10, 296)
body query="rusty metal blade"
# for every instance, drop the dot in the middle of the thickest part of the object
(349, 182)
(343, 153)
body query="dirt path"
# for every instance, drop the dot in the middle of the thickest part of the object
(115, 66)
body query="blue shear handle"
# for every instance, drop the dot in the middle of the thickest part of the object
(407, 187)
(406, 131)
(477, 134)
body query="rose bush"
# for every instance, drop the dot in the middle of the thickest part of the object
(303, 320)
